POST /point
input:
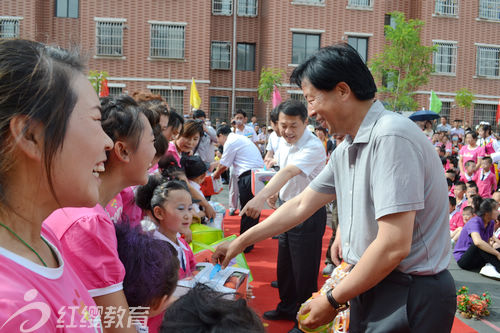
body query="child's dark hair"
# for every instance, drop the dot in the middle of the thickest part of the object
(482, 206)
(151, 265)
(468, 209)
(472, 184)
(469, 162)
(160, 193)
(205, 310)
(449, 182)
(193, 166)
(175, 120)
(169, 167)
(161, 145)
(452, 201)
(461, 184)
(155, 192)
(120, 118)
(488, 159)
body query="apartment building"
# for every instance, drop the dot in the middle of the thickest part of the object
(160, 45)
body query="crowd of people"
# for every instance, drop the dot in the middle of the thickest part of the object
(97, 197)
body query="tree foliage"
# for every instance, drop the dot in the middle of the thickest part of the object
(464, 98)
(269, 77)
(96, 78)
(404, 65)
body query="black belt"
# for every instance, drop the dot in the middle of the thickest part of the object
(246, 173)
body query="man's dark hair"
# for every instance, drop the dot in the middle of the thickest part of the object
(292, 107)
(205, 310)
(333, 64)
(240, 111)
(199, 114)
(274, 115)
(224, 130)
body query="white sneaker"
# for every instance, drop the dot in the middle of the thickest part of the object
(489, 271)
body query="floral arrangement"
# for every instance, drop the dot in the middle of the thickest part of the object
(472, 305)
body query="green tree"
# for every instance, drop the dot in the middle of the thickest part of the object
(96, 78)
(269, 77)
(464, 100)
(404, 65)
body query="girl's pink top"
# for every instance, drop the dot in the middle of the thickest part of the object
(173, 150)
(485, 183)
(131, 211)
(89, 243)
(184, 254)
(114, 208)
(468, 154)
(34, 298)
(466, 178)
(456, 221)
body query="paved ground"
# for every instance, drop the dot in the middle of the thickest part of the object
(473, 280)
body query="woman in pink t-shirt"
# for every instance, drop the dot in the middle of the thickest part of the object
(53, 151)
(470, 151)
(88, 234)
(188, 140)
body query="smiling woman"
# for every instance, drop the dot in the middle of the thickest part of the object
(51, 137)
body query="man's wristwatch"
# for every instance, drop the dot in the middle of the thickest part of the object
(338, 307)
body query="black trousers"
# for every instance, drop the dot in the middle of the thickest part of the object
(245, 189)
(475, 258)
(406, 303)
(299, 257)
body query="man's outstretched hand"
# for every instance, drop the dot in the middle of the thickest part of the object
(225, 252)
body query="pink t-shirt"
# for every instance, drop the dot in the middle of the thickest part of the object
(456, 221)
(486, 182)
(468, 154)
(466, 178)
(89, 243)
(173, 150)
(41, 299)
(131, 211)
(114, 208)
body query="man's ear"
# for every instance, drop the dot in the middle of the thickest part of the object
(28, 136)
(343, 89)
(122, 151)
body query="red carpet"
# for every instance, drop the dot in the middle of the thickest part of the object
(262, 262)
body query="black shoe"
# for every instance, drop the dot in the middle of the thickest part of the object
(274, 284)
(248, 249)
(278, 315)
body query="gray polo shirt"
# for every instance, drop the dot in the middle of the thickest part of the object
(389, 167)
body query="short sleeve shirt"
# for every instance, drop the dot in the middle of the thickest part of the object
(382, 172)
(249, 132)
(38, 295)
(241, 154)
(307, 154)
(475, 224)
(273, 142)
(88, 239)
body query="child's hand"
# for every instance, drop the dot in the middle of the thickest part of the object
(188, 236)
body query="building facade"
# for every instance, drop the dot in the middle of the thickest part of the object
(161, 45)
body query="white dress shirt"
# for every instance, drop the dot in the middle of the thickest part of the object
(241, 154)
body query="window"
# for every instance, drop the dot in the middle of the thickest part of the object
(221, 55)
(222, 7)
(489, 9)
(247, 7)
(109, 38)
(446, 7)
(488, 59)
(245, 104)
(219, 108)
(115, 91)
(299, 97)
(360, 44)
(485, 112)
(360, 3)
(303, 45)
(245, 60)
(174, 98)
(9, 26)
(310, 1)
(167, 41)
(445, 110)
(67, 8)
(445, 58)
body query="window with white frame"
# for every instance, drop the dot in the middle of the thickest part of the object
(445, 110)
(245, 57)
(360, 3)
(303, 45)
(222, 7)
(174, 98)
(9, 26)
(446, 7)
(167, 40)
(309, 1)
(488, 61)
(115, 90)
(445, 57)
(220, 55)
(219, 108)
(109, 38)
(67, 8)
(247, 7)
(360, 44)
(489, 9)
(484, 112)
(245, 104)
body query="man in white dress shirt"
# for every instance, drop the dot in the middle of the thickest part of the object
(242, 155)
(301, 157)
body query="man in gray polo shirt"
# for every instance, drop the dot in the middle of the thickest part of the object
(391, 195)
